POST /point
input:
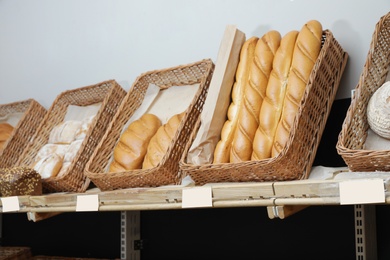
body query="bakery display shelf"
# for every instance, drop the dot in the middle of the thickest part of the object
(294, 195)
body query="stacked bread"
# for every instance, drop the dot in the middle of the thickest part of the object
(57, 155)
(144, 143)
(270, 82)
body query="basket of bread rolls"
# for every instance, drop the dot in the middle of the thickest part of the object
(18, 123)
(146, 138)
(68, 134)
(363, 142)
(282, 93)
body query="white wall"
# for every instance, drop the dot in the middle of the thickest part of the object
(48, 46)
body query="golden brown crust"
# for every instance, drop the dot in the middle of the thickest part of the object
(254, 93)
(306, 51)
(131, 148)
(5, 133)
(271, 108)
(160, 142)
(222, 149)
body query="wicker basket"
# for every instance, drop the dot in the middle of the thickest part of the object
(15, 253)
(167, 171)
(295, 160)
(32, 115)
(110, 94)
(351, 140)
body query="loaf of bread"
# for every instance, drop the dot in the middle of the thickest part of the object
(48, 149)
(73, 149)
(48, 166)
(159, 143)
(81, 132)
(254, 93)
(271, 108)
(5, 133)
(222, 149)
(306, 51)
(65, 132)
(19, 181)
(131, 148)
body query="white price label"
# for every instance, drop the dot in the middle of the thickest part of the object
(197, 197)
(10, 204)
(362, 191)
(87, 203)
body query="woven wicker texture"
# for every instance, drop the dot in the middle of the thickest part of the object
(110, 94)
(167, 172)
(295, 160)
(15, 253)
(350, 144)
(33, 114)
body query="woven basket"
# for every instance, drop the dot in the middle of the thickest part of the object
(295, 160)
(351, 140)
(110, 94)
(33, 114)
(15, 253)
(167, 171)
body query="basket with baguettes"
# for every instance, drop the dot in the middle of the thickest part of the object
(351, 144)
(103, 99)
(244, 151)
(165, 170)
(22, 119)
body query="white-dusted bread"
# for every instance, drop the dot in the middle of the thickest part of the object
(131, 148)
(73, 149)
(85, 125)
(160, 142)
(254, 93)
(64, 132)
(222, 149)
(48, 149)
(48, 166)
(271, 108)
(306, 51)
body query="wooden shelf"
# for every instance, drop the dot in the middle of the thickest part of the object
(296, 194)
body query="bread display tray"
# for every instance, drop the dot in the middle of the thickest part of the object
(353, 135)
(109, 94)
(32, 115)
(166, 172)
(295, 160)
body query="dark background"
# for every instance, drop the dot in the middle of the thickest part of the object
(317, 232)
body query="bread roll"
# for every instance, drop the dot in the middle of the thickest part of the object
(64, 169)
(65, 132)
(271, 109)
(222, 149)
(85, 125)
(131, 148)
(254, 93)
(160, 142)
(49, 166)
(5, 133)
(73, 149)
(306, 51)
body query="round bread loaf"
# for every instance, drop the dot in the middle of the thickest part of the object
(5, 133)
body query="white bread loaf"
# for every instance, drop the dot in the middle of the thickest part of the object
(254, 92)
(271, 108)
(48, 166)
(131, 148)
(160, 142)
(73, 149)
(306, 51)
(222, 149)
(64, 132)
(48, 149)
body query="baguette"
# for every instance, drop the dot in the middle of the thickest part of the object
(271, 108)
(306, 51)
(254, 93)
(222, 149)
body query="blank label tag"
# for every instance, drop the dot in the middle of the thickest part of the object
(87, 203)
(197, 197)
(10, 204)
(362, 191)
